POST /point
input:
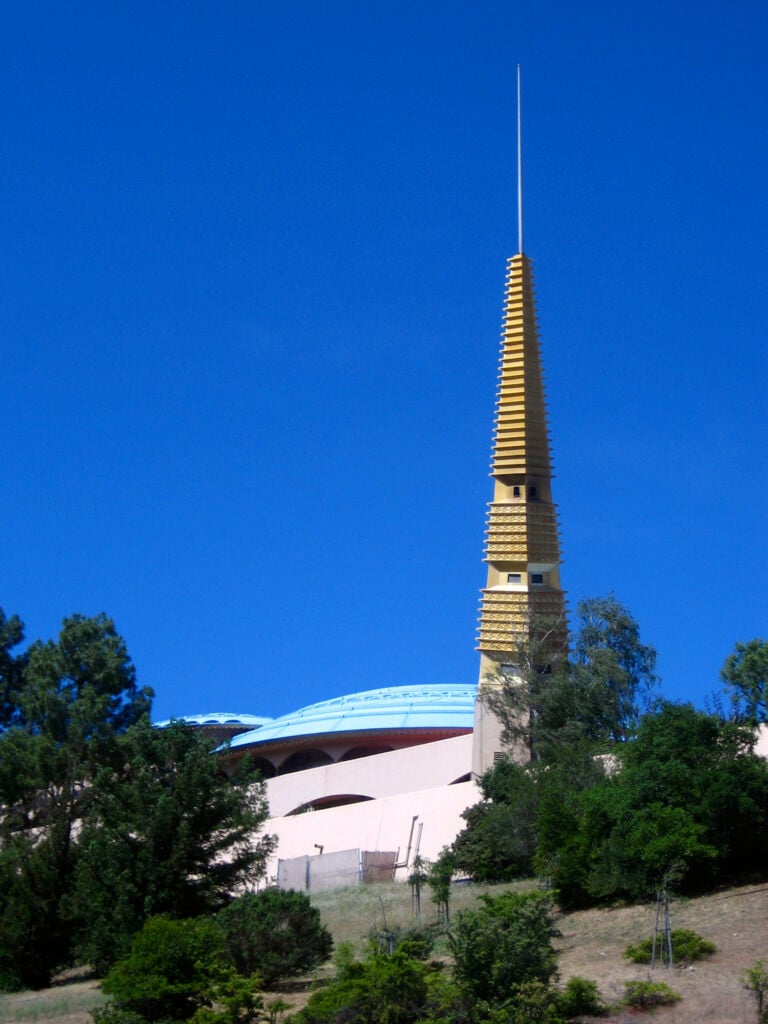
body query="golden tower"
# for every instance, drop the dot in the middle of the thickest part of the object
(522, 545)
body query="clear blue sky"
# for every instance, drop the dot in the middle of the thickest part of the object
(252, 274)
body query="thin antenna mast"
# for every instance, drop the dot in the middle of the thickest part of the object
(519, 169)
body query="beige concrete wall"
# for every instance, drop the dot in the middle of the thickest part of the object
(761, 747)
(382, 824)
(397, 771)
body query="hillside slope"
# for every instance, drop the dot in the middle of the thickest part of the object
(591, 945)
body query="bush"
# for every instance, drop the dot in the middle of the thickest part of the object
(687, 946)
(173, 969)
(580, 998)
(416, 940)
(529, 1003)
(503, 944)
(755, 978)
(112, 1014)
(383, 989)
(646, 995)
(275, 933)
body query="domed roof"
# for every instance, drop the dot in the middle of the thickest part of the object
(249, 722)
(448, 707)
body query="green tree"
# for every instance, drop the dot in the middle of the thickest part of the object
(274, 933)
(168, 833)
(561, 708)
(517, 694)
(439, 878)
(745, 673)
(384, 989)
(505, 943)
(77, 695)
(11, 667)
(613, 670)
(498, 842)
(73, 700)
(688, 794)
(173, 969)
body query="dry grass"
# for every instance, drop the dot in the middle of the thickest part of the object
(353, 914)
(593, 942)
(591, 945)
(68, 1003)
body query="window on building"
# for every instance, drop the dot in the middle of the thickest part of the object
(514, 577)
(537, 578)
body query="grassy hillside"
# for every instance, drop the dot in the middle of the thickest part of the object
(591, 945)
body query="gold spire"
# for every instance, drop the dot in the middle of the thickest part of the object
(522, 546)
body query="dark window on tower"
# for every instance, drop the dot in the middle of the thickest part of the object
(515, 492)
(531, 492)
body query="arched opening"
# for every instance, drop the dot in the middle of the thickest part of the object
(264, 767)
(301, 760)
(353, 753)
(324, 803)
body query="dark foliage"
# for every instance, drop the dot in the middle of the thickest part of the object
(689, 797)
(65, 708)
(505, 942)
(396, 989)
(173, 969)
(167, 833)
(499, 840)
(687, 947)
(745, 673)
(274, 933)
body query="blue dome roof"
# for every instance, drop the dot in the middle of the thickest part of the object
(249, 722)
(433, 706)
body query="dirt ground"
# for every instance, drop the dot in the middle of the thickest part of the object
(593, 942)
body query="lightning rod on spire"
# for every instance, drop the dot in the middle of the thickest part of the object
(519, 169)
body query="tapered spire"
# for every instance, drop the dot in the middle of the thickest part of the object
(522, 544)
(522, 549)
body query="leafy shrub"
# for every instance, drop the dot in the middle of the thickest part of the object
(687, 946)
(383, 989)
(173, 969)
(755, 978)
(645, 995)
(112, 1014)
(505, 942)
(416, 940)
(275, 933)
(580, 998)
(530, 1003)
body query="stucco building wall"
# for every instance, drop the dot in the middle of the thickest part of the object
(426, 766)
(409, 784)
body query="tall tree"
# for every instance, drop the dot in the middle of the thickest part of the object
(11, 667)
(167, 833)
(75, 697)
(745, 673)
(561, 708)
(689, 796)
(613, 669)
(517, 694)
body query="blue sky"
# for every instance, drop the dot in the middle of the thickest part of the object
(252, 274)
